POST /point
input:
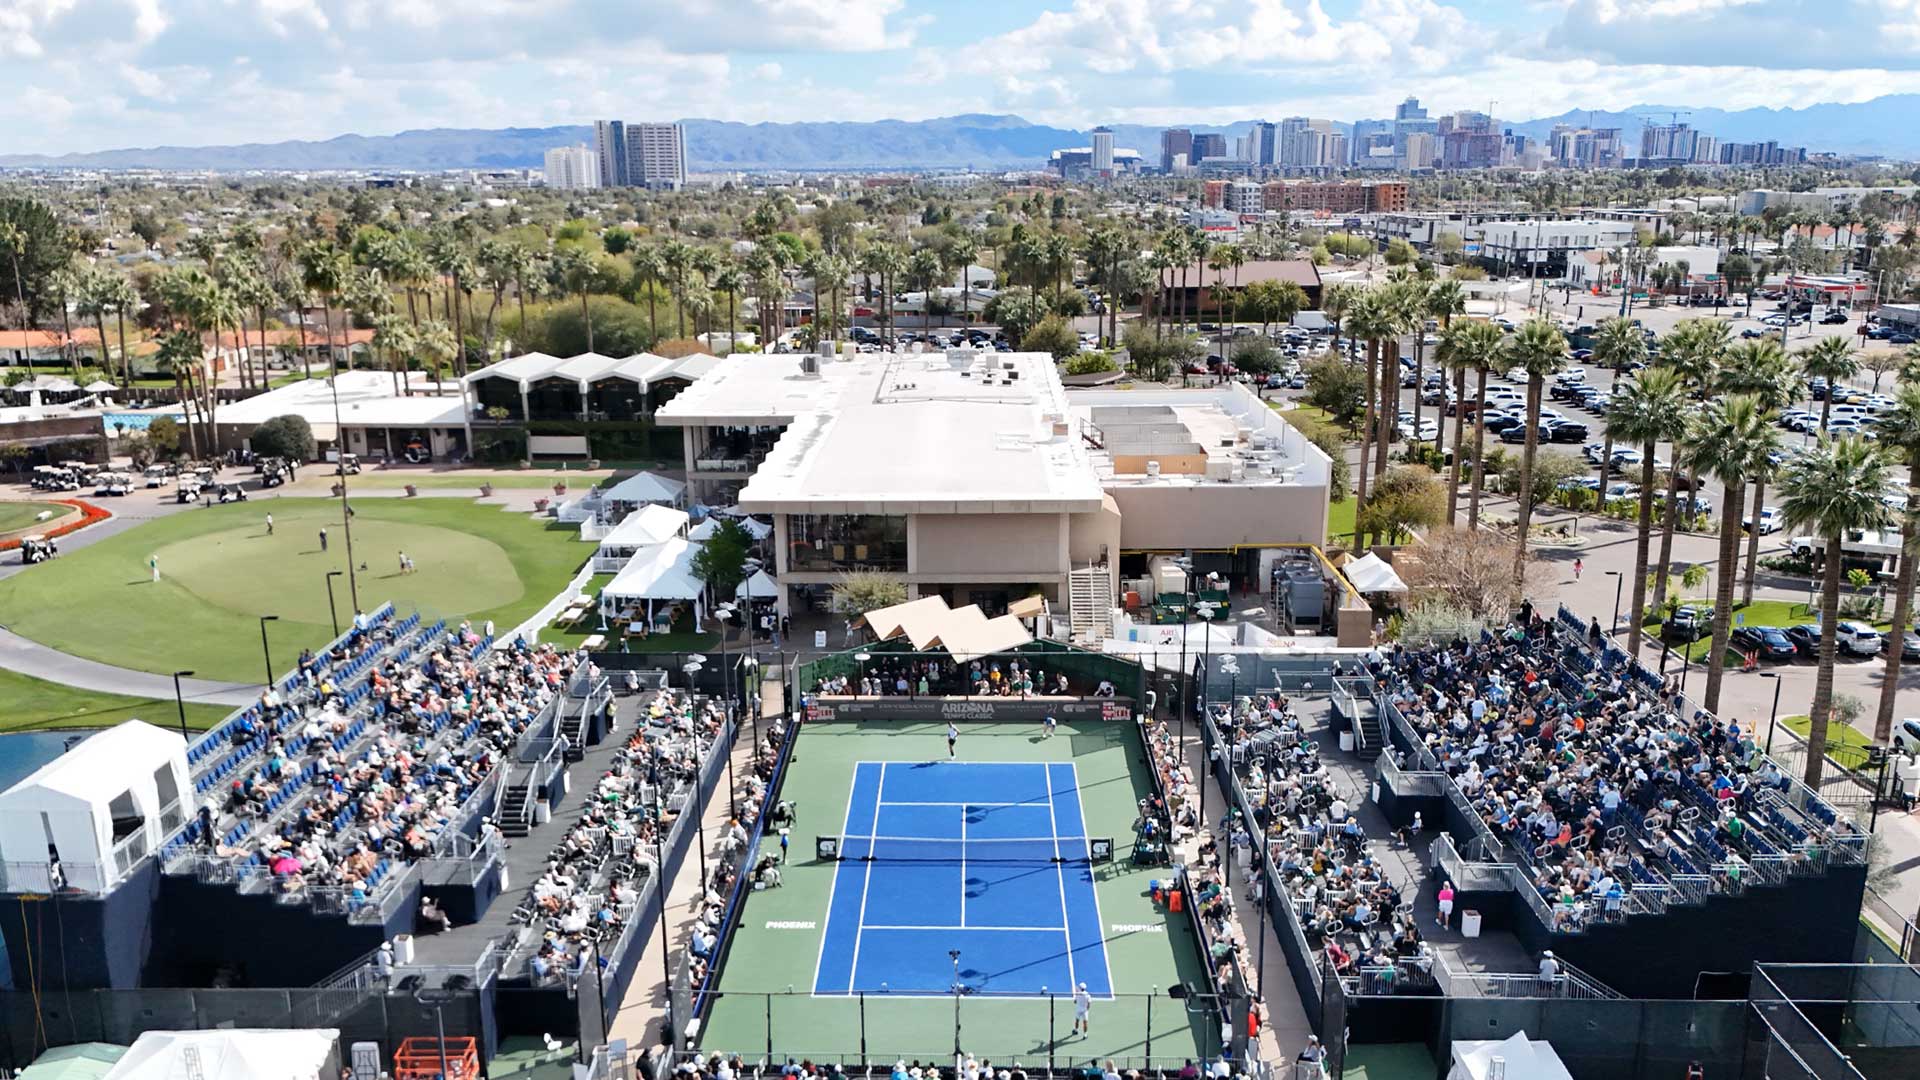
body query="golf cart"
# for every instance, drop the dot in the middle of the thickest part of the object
(232, 493)
(113, 483)
(188, 488)
(158, 475)
(349, 465)
(35, 549)
(273, 471)
(417, 452)
(54, 478)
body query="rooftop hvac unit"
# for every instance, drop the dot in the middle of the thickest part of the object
(1153, 468)
(1220, 469)
(959, 359)
(1262, 441)
(826, 348)
(1226, 442)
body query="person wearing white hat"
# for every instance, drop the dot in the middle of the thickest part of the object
(1082, 1010)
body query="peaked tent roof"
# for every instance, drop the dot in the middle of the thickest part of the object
(661, 572)
(965, 633)
(645, 488)
(1372, 574)
(228, 1054)
(760, 586)
(651, 524)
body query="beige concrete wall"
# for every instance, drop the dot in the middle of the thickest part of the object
(1220, 516)
(1170, 464)
(1091, 535)
(958, 546)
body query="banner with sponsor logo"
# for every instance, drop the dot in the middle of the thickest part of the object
(1031, 710)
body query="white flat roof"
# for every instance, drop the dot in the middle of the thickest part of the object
(367, 399)
(901, 433)
(1229, 423)
(587, 368)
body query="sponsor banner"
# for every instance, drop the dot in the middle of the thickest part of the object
(958, 709)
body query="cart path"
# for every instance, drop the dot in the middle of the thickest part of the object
(26, 657)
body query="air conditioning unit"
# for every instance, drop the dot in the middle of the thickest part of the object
(809, 363)
(1153, 468)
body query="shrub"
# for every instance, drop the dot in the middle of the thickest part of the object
(89, 514)
(1088, 363)
(289, 437)
(1052, 334)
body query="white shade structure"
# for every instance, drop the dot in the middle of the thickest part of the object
(645, 488)
(760, 586)
(84, 819)
(1372, 574)
(231, 1054)
(650, 525)
(661, 573)
(755, 528)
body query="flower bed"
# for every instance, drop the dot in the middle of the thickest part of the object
(89, 514)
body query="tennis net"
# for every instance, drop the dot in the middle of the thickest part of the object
(1022, 850)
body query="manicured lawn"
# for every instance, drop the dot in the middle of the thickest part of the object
(21, 515)
(34, 704)
(440, 481)
(1845, 744)
(682, 639)
(220, 571)
(1340, 522)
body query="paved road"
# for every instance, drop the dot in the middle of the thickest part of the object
(32, 658)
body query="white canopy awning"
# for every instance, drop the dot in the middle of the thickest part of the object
(966, 633)
(1372, 574)
(100, 386)
(651, 524)
(760, 586)
(229, 1054)
(755, 528)
(132, 771)
(1522, 1059)
(645, 488)
(661, 572)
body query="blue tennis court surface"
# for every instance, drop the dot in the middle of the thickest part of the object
(967, 856)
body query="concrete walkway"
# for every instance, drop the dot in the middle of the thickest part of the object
(32, 658)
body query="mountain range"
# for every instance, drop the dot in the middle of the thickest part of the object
(1881, 126)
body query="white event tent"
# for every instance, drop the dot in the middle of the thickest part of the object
(97, 809)
(231, 1054)
(651, 524)
(661, 573)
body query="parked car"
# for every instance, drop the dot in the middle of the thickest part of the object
(1858, 638)
(1429, 429)
(1687, 624)
(1909, 645)
(1772, 519)
(1565, 431)
(1805, 637)
(1833, 318)
(1771, 642)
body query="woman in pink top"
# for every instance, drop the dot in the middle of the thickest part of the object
(1446, 903)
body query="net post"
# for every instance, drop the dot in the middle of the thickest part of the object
(1053, 1037)
(769, 1003)
(863, 1029)
(1152, 991)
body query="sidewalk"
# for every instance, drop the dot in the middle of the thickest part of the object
(32, 658)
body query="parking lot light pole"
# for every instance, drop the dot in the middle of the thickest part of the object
(181, 702)
(1619, 580)
(332, 613)
(1775, 714)
(264, 651)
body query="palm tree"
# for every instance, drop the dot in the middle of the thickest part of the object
(124, 299)
(1440, 300)
(1464, 347)
(1369, 318)
(923, 273)
(1694, 348)
(883, 259)
(1649, 410)
(648, 270)
(728, 280)
(1059, 251)
(435, 341)
(1402, 304)
(1830, 490)
(1541, 349)
(1335, 302)
(829, 273)
(324, 271)
(1729, 441)
(1763, 370)
(1617, 344)
(398, 339)
(181, 352)
(676, 261)
(1899, 432)
(91, 301)
(958, 255)
(1832, 359)
(14, 239)
(1031, 253)
(576, 270)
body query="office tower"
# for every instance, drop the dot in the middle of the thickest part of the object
(1103, 151)
(1262, 146)
(1208, 145)
(656, 156)
(1337, 154)
(572, 168)
(1175, 142)
(1303, 142)
(610, 152)
(1667, 143)
(1410, 110)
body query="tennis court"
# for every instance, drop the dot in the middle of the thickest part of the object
(790, 980)
(985, 859)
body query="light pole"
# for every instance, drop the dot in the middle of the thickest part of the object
(264, 651)
(1774, 715)
(1619, 580)
(340, 456)
(181, 702)
(746, 702)
(724, 612)
(437, 1000)
(331, 612)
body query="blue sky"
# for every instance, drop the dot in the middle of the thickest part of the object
(95, 74)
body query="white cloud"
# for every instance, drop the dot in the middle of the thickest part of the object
(767, 72)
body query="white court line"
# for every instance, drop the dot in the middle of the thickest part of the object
(969, 802)
(1060, 875)
(821, 956)
(972, 839)
(963, 870)
(867, 881)
(1021, 929)
(1092, 886)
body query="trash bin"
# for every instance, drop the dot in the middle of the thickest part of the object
(403, 948)
(1346, 741)
(1470, 923)
(412, 491)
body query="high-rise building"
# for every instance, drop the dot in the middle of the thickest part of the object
(656, 156)
(1262, 147)
(1303, 143)
(1667, 144)
(1245, 197)
(1103, 151)
(610, 152)
(1585, 148)
(1337, 154)
(1469, 140)
(1422, 149)
(1175, 142)
(1208, 145)
(1410, 110)
(572, 168)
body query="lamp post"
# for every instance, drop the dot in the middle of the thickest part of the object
(1619, 580)
(1204, 609)
(1774, 715)
(181, 702)
(332, 613)
(264, 650)
(437, 1000)
(753, 712)
(724, 612)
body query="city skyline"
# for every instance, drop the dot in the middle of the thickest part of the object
(192, 72)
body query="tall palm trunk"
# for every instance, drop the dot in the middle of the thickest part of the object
(586, 317)
(1459, 443)
(1389, 418)
(1606, 468)
(1642, 541)
(126, 361)
(1902, 611)
(260, 325)
(1667, 529)
(1479, 451)
(1525, 517)
(100, 324)
(1820, 712)
(1419, 383)
(1726, 574)
(1366, 443)
(1753, 542)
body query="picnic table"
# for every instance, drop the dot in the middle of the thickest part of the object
(594, 643)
